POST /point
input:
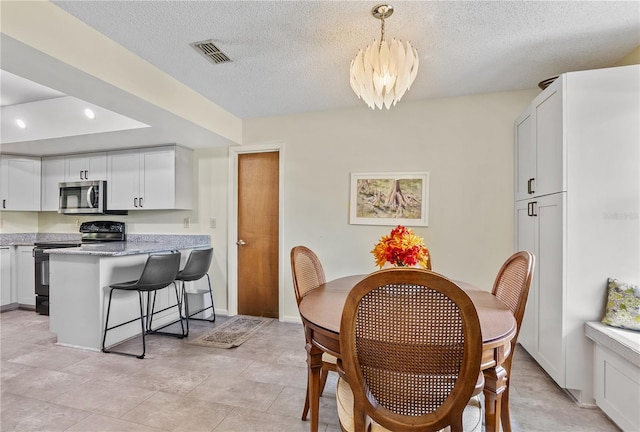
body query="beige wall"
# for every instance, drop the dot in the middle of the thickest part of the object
(466, 143)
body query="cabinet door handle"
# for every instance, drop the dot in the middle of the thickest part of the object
(531, 209)
(4, 203)
(135, 202)
(529, 186)
(86, 175)
(140, 201)
(81, 178)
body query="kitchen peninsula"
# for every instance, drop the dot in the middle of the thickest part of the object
(79, 278)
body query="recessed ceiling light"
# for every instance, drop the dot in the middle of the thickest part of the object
(89, 113)
(21, 124)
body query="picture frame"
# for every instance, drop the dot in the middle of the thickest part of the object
(393, 198)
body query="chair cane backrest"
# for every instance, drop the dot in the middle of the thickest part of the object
(197, 265)
(512, 284)
(159, 271)
(411, 350)
(306, 270)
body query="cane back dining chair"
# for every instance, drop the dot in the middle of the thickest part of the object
(159, 272)
(411, 350)
(308, 275)
(196, 268)
(512, 287)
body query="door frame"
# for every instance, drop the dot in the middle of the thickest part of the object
(232, 228)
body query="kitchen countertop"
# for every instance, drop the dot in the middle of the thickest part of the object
(135, 244)
(28, 239)
(128, 248)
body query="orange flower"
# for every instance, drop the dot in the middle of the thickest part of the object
(402, 247)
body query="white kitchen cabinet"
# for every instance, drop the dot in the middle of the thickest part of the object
(25, 276)
(19, 183)
(53, 173)
(539, 229)
(86, 166)
(6, 287)
(538, 146)
(149, 179)
(582, 220)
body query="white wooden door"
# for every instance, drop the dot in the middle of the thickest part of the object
(20, 178)
(53, 173)
(157, 179)
(74, 168)
(25, 275)
(525, 155)
(123, 180)
(96, 166)
(525, 234)
(550, 147)
(551, 292)
(5, 275)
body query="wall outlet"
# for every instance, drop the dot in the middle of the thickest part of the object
(77, 223)
(212, 223)
(187, 222)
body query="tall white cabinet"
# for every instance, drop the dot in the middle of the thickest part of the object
(577, 193)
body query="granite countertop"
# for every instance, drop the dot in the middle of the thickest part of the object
(29, 239)
(125, 248)
(135, 244)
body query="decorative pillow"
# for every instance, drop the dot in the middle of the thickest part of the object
(623, 305)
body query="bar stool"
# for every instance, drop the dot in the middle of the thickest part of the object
(196, 268)
(159, 272)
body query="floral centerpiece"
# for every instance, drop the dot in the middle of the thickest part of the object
(402, 247)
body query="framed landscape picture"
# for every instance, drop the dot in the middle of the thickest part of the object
(389, 199)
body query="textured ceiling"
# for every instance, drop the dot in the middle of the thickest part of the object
(293, 56)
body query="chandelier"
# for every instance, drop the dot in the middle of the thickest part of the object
(382, 73)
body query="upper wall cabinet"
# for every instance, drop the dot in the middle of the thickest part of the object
(53, 169)
(87, 166)
(153, 178)
(539, 146)
(20, 183)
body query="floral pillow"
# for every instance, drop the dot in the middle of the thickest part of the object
(623, 305)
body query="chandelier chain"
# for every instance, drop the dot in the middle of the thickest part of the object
(382, 30)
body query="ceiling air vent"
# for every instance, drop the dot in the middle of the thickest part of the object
(210, 51)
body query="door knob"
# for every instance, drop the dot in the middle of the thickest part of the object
(240, 243)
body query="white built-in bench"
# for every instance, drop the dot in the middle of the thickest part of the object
(616, 373)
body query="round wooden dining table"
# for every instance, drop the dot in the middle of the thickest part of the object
(321, 312)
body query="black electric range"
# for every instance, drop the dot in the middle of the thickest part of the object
(91, 232)
(41, 260)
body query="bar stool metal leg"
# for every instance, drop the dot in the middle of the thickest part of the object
(107, 328)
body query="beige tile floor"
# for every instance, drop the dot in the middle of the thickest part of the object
(258, 386)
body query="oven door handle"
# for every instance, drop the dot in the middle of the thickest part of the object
(44, 276)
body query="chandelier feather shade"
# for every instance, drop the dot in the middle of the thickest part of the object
(382, 73)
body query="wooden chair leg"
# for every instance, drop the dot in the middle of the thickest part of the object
(323, 379)
(305, 410)
(505, 417)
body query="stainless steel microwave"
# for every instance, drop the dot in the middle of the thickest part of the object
(84, 198)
